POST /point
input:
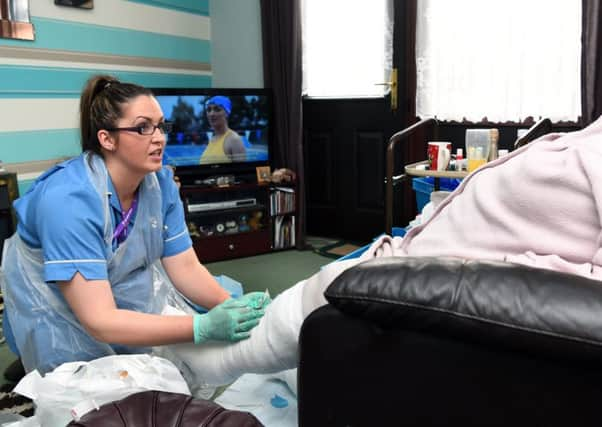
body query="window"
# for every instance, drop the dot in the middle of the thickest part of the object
(499, 60)
(347, 47)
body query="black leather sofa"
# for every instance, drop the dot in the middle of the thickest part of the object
(450, 342)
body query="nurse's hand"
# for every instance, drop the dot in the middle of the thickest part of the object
(256, 300)
(229, 321)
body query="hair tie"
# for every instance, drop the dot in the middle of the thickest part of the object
(99, 89)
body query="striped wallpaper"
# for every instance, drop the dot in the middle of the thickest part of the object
(156, 43)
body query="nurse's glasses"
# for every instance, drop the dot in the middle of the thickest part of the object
(146, 128)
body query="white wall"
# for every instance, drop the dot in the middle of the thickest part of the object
(236, 51)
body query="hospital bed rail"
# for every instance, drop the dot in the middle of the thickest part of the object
(540, 128)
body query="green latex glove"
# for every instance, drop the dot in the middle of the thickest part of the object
(255, 300)
(229, 321)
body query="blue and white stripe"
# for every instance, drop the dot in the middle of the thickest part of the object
(156, 43)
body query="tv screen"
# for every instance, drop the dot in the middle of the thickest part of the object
(216, 131)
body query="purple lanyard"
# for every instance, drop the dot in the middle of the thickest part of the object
(121, 231)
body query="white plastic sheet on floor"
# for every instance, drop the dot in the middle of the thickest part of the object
(79, 387)
(267, 396)
(85, 385)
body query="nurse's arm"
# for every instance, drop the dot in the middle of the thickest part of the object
(93, 304)
(193, 280)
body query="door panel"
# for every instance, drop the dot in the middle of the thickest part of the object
(369, 165)
(345, 142)
(320, 181)
(345, 146)
(368, 197)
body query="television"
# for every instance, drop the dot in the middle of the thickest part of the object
(250, 119)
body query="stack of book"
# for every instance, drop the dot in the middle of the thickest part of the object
(284, 232)
(282, 200)
(282, 209)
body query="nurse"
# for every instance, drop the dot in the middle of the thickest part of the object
(102, 247)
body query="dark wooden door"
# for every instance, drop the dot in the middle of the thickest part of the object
(345, 143)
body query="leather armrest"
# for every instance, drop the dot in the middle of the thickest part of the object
(488, 302)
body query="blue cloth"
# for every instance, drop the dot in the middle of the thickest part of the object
(63, 214)
(233, 287)
(44, 328)
(222, 101)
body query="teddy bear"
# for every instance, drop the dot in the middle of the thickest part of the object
(283, 175)
(254, 221)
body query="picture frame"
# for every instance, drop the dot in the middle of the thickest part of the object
(81, 4)
(263, 174)
(15, 22)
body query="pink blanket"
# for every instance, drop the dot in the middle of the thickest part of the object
(541, 206)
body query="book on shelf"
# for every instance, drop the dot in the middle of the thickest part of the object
(284, 231)
(282, 200)
(285, 189)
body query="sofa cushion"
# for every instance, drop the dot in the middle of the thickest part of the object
(485, 301)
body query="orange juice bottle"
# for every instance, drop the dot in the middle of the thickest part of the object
(475, 163)
(476, 158)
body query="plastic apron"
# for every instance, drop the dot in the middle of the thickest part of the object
(45, 330)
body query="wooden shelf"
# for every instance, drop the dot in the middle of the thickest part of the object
(413, 169)
(226, 211)
(236, 245)
(222, 245)
(202, 188)
(284, 213)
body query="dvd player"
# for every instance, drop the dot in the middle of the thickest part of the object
(226, 204)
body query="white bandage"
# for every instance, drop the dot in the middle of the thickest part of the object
(273, 344)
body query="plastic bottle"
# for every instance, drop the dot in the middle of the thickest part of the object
(459, 158)
(494, 137)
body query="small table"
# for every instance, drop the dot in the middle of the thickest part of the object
(413, 170)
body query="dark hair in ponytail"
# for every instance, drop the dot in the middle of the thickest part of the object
(101, 106)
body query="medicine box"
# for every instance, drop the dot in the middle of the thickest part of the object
(424, 187)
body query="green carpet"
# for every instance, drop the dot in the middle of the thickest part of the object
(275, 271)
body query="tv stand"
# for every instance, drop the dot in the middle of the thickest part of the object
(238, 220)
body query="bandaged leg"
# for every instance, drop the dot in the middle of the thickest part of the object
(272, 346)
